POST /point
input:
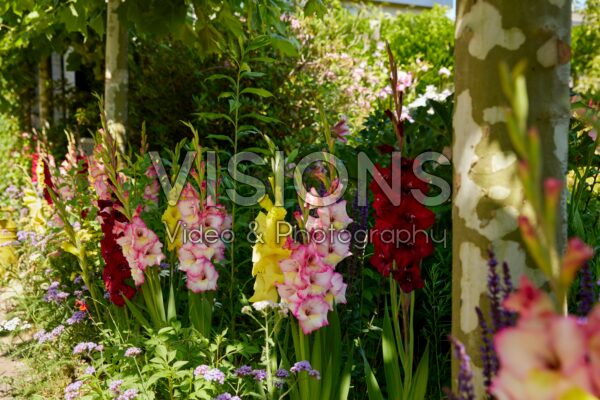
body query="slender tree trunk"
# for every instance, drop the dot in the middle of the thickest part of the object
(487, 194)
(116, 74)
(44, 92)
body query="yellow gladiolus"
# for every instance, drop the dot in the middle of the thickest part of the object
(35, 204)
(271, 234)
(171, 218)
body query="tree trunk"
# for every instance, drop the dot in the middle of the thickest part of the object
(487, 193)
(116, 78)
(44, 93)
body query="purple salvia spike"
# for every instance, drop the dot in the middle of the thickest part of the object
(465, 374)
(586, 290)
(494, 293)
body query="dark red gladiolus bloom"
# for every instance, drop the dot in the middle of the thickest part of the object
(116, 269)
(399, 235)
(36, 158)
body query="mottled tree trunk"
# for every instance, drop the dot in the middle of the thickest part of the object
(116, 78)
(487, 194)
(44, 92)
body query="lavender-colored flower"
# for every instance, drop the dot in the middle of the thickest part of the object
(133, 352)
(259, 374)
(301, 366)
(282, 373)
(465, 375)
(76, 318)
(43, 336)
(87, 346)
(115, 386)
(129, 394)
(12, 191)
(72, 390)
(90, 370)
(201, 370)
(78, 279)
(586, 290)
(215, 375)
(54, 294)
(244, 370)
(227, 396)
(315, 374)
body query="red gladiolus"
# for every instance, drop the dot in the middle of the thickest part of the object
(36, 159)
(399, 236)
(116, 270)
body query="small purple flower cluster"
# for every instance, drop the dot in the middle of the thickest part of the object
(210, 374)
(129, 394)
(133, 352)
(305, 366)
(90, 370)
(282, 373)
(77, 317)
(72, 390)
(87, 346)
(43, 336)
(227, 396)
(13, 192)
(23, 236)
(246, 370)
(55, 294)
(115, 388)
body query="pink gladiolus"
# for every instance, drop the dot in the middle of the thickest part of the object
(338, 288)
(312, 314)
(98, 176)
(340, 130)
(334, 215)
(310, 284)
(404, 80)
(151, 191)
(546, 356)
(529, 301)
(202, 276)
(541, 361)
(189, 206)
(576, 254)
(140, 246)
(204, 245)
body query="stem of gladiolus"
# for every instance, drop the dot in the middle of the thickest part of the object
(86, 278)
(303, 384)
(405, 299)
(268, 355)
(158, 296)
(233, 208)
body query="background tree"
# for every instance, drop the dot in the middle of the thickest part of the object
(487, 199)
